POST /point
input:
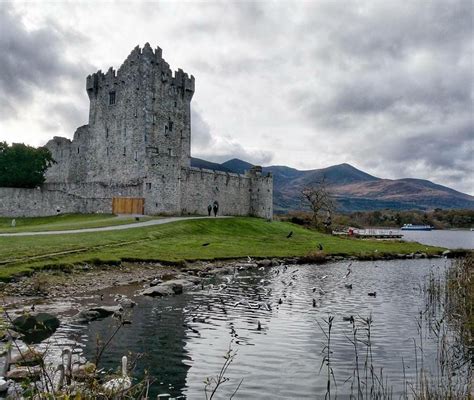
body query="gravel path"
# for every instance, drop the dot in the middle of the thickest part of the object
(108, 228)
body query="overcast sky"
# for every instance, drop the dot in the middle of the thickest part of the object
(386, 86)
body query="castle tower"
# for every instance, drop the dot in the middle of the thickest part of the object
(136, 114)
(137, 145)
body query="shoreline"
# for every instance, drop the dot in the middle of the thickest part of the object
(82, 279)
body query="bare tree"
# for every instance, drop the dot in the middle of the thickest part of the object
(317, 196)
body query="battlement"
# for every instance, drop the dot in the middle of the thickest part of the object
(138, 61)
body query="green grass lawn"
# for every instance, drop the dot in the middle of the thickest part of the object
(64, 222)
(183, 240)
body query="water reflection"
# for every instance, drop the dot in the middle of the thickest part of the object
(184, 338)
(158, 332)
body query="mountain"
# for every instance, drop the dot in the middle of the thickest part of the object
(237, 165)
(200, 163)
(354, 190)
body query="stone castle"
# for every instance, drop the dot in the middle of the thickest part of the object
(137, 144)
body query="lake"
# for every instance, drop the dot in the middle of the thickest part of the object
(184, 338)
(451, 239)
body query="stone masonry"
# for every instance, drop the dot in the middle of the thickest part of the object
(138, 144)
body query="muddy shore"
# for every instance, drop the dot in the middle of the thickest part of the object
(90, 280)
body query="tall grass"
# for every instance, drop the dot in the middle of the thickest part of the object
(446, 319)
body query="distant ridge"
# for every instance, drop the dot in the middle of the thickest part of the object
(355, 190)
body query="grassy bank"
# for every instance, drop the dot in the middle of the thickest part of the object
(184, 240)
(64, 222)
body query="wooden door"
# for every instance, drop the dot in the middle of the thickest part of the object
(128, 205)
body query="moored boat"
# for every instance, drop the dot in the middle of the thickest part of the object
(411, 227)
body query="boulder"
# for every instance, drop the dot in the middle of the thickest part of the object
(157, 291)
(174, 286)
(155, 282)
(97, 313)
(85, 316)
(106, 311)
(36, 328)
(26, 358)
(264, 263)
(24, 373)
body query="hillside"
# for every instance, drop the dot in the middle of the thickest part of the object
(354, 189)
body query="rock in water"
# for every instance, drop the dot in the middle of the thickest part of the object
(36, 328)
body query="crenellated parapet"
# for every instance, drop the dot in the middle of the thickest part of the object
(138, 61)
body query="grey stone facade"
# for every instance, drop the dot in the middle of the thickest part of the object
(139, 139)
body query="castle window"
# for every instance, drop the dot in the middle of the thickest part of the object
(170, 152)
(135, 114)
(136, 155)
(111, 98)
(78, 150)
(166, 129)
(175, 104)
(107, 151)
(124, 151)
(148, 186)
(154, 119)
(170, 123)
(106, 132)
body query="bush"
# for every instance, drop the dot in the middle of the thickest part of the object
(23, 166)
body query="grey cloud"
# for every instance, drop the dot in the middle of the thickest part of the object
(259, 157)
(201, 131)
(206, 145)
(31, 60)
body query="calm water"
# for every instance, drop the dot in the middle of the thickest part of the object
(442, 238)
(184, 338)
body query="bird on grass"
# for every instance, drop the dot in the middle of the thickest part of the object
(289, 235)
(320, 246)
(205, 244)
(120, 384)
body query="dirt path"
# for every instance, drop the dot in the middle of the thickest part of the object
(107, 228)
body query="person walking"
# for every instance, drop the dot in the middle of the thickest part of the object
(215, 208)
(209, 210)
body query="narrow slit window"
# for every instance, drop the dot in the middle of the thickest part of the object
(106, 133)
(124, 151)
(136, 155)
(112, 98)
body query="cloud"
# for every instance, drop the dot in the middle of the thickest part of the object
(218, 148)
(32, 60)
(386, 86)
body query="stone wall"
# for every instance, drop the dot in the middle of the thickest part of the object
(53, 199)
(18, 202)
(233, 192)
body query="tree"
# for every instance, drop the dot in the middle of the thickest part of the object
(23, 166)
(320, 201)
